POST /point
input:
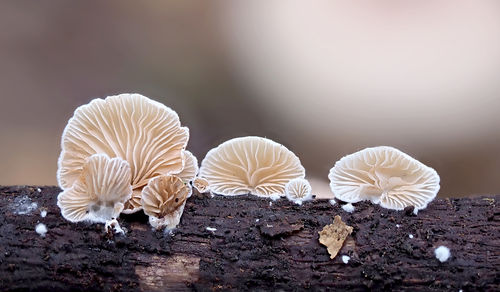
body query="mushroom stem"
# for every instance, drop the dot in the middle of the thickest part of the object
(113, 225)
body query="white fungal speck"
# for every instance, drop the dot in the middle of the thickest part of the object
(269, 226)
(169, 232)
(270, 204)
(397, 226)
(348, 208)
(43, 213)
(410, 235)
(39, 190)
(23, 205)
(274, 197)
(257, 220)
(41, 229)
(442, 253)
(345, 259)
(211, 229)
(333, 202)
(415, 211)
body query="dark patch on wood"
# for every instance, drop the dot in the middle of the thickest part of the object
(244, 253)
(279, 227)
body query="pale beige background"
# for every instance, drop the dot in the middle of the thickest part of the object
(325, 78)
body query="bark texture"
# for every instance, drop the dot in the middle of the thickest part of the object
(257, 244)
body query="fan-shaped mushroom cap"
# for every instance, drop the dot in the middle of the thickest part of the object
(190, 169)
(163, 200)
(100, 191)
(252, 165)
(385, 176)
(201, 184)
(298, 190)
(133, 127)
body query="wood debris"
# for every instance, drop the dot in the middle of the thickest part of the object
(333, 235)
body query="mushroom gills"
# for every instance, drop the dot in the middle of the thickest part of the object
(250, 165)
(163, 200)
(99, 193)
(385, 176)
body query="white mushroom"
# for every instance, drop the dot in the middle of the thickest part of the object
(163, 200)
(298, 190)
(385, 176)
(100, 192)
(252, 165)
(41, 229)
(145, 133)
(190, 169)
(201, 184)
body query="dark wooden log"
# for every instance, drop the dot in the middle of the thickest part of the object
(257, 244)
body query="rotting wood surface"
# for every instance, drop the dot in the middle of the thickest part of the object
(256, 245)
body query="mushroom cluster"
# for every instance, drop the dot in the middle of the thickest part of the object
(128, 153)
(385, 176)
(249, 165)
(112, 149)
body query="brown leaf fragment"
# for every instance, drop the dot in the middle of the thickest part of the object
(333, 235)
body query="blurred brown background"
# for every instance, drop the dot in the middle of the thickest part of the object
(324, 78)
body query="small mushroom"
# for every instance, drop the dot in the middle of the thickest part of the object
(190, 169)
(41, 229)
(145, 133)
(250, 165)
(298, 190)
(385, 176)
(163, 200)
(100, 192)
(201, 184)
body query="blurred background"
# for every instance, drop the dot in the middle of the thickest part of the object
(324, 78)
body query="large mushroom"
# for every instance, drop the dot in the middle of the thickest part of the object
(99, 193)
(385, 176)
(145, 133)
(252, 165)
